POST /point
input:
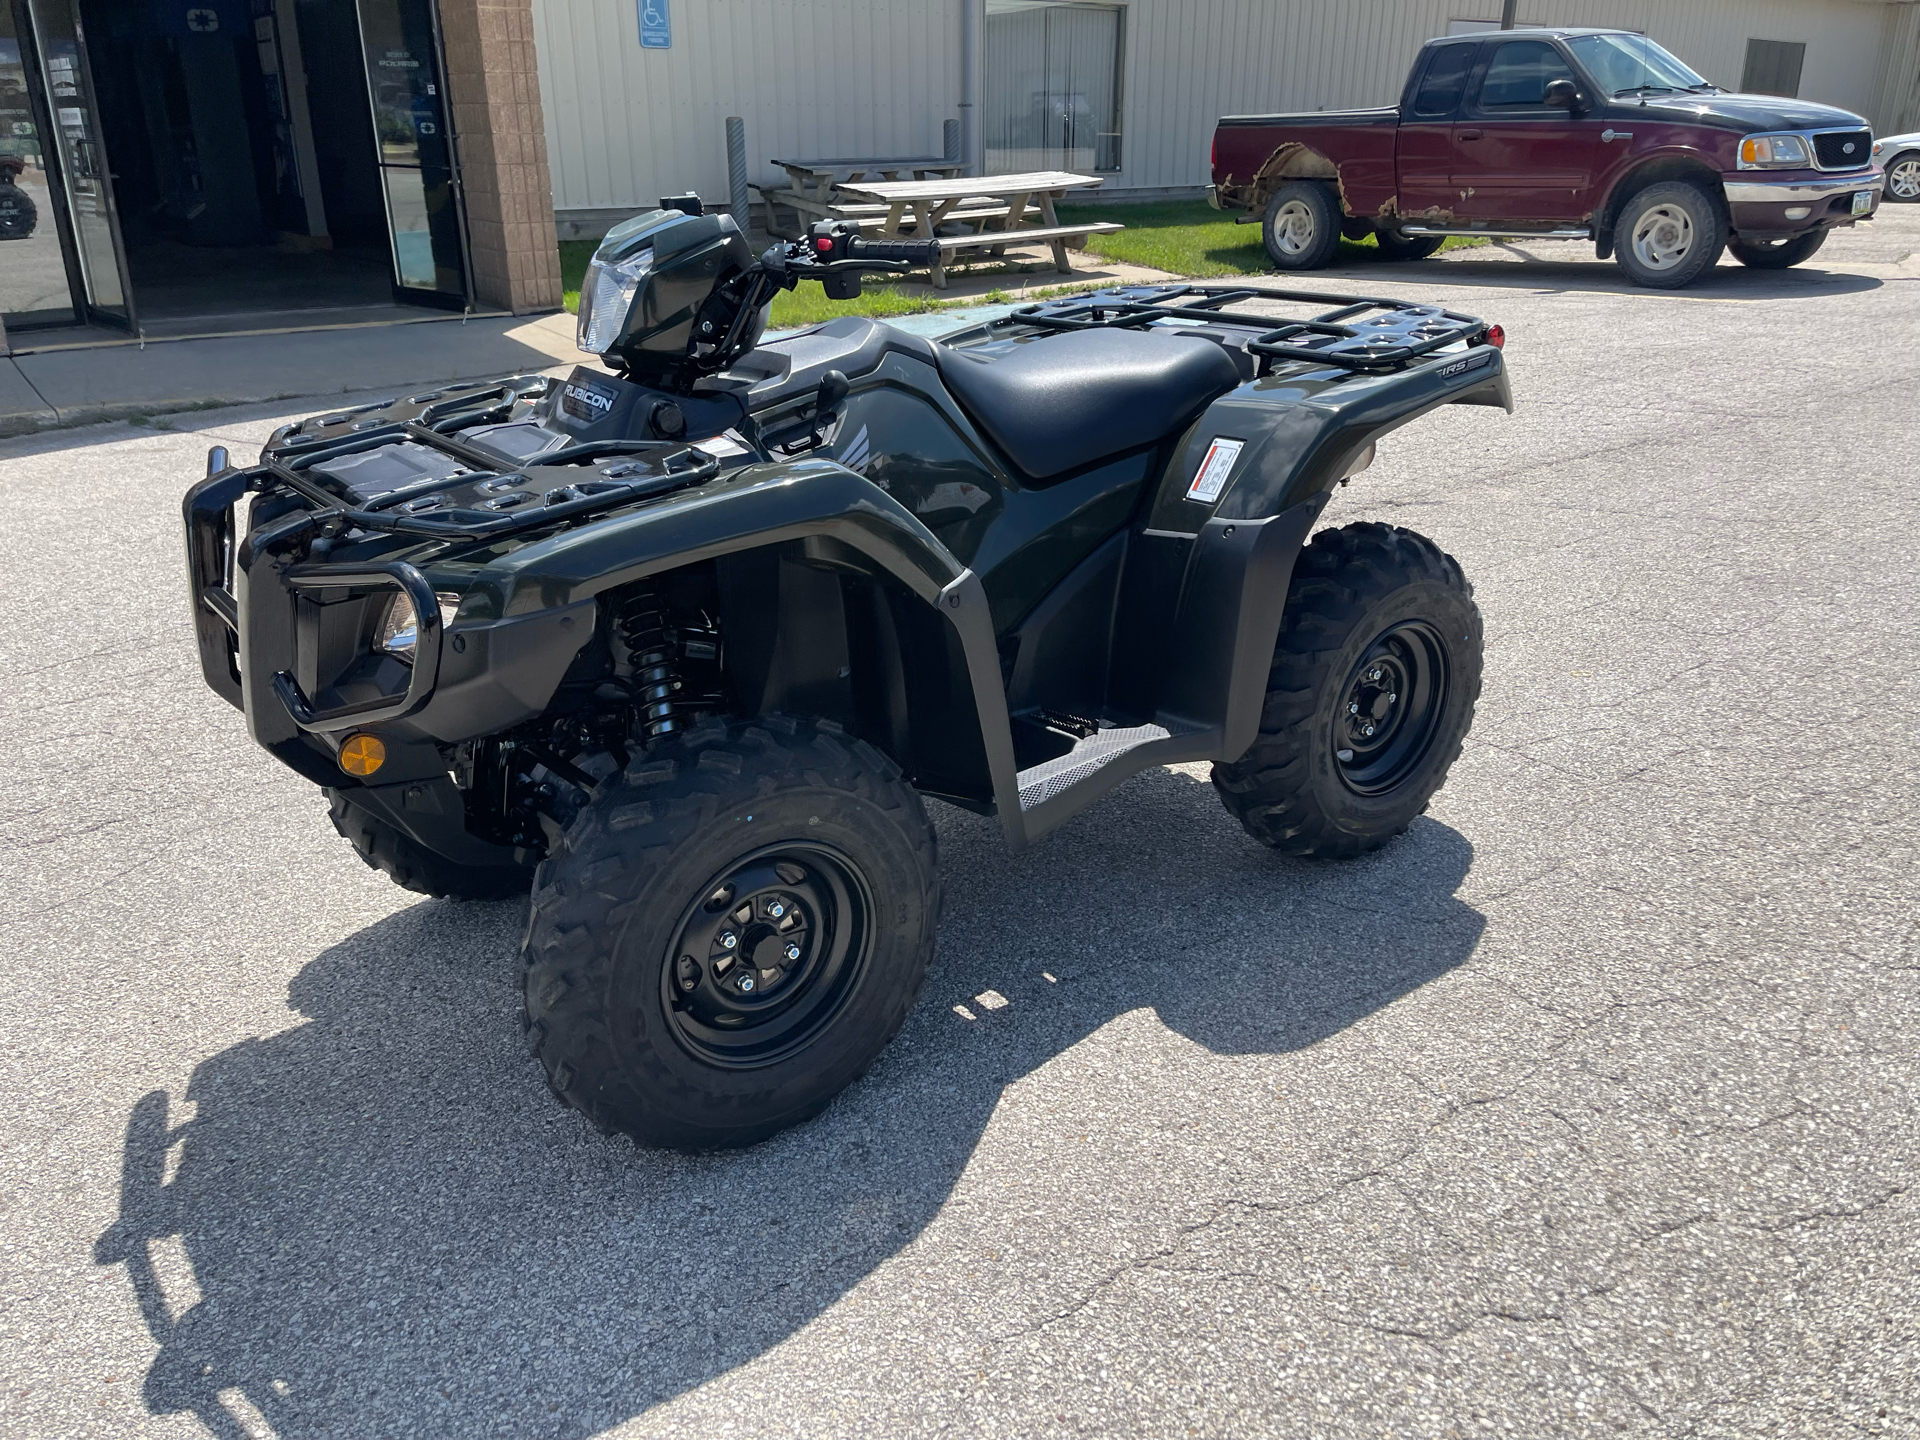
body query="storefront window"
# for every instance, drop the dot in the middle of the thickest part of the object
(1053, 86)
(33, 271)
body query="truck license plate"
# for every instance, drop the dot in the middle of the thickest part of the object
(1862, 201)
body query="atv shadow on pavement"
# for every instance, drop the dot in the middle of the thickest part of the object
(394, 1230)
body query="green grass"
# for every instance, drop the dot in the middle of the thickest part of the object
(1183, 237)
(792, 309)
(1190, 237)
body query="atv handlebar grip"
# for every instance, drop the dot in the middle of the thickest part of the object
(919, 252)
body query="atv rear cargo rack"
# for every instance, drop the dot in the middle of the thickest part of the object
(1398, 333)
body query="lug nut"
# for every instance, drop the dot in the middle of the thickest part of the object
(776, 908)
(1393, 699)
(746, 984)
(1374, 674)
(793, 952)
(728, 940)
(1353, 707)
(1366, 730)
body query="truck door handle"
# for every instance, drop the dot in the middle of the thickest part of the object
(1466, 134)
(1612, 134)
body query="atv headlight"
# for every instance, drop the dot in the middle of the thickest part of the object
(399, 628)
(1775, 152)
(606, 294)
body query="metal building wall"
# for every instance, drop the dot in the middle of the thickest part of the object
(818, 78)
(812, 78)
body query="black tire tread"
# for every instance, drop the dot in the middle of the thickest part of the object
(1337, 579)
(1778, 257)
(412, 866)
(581, 889)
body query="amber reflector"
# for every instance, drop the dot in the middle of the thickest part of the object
(362, 755)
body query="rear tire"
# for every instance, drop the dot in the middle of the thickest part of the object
(1302, 226)
(1669, 234)
(1395, 246)
(1378, 619)
(1776, 254)
(666, 995)
(412, 866)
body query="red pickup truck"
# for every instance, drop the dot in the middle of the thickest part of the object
(1583, 134)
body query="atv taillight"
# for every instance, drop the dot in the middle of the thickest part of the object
(1496, 337)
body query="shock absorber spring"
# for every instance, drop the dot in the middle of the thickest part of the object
(646, 630)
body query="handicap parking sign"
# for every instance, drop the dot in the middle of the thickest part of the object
(656, 25)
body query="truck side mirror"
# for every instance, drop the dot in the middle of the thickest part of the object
(1562, 94)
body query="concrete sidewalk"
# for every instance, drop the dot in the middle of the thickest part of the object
(66, 387)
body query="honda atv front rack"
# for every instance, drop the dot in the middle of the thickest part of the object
(1396, 334)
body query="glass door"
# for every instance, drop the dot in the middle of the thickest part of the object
(86, 182)
(34, 285)
(414, 149)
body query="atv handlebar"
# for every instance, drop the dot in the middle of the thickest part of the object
(917, 252)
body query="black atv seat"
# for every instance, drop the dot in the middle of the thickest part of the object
(1069, 400)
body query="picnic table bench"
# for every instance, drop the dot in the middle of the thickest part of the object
(809, 189)
(916, 209)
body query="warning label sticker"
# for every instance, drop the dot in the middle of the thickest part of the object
(1214, 470)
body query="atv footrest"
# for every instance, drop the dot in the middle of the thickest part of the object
(1091, 753)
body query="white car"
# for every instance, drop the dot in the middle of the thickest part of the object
(1899, 156)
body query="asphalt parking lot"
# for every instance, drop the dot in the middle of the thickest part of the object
(1589, 1107)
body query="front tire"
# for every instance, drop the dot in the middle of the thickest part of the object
(1302, 226)
(1669, 235)
(1777, 254)
(1903, 178)
(1370, 695)
(730, 932)
(1395, 246)
(412, 866)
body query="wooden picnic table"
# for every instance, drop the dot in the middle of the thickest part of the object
(809, 192)
(916, 209)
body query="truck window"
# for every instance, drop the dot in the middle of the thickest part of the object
(1440, 87)
(1518, 75)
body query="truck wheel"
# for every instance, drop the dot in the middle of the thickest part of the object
(412, 866)
(1777, 254)
(730, 932)
(1302, 228)
(1669, 234)
(1395, 246)
(1903, 177)
(1371, 692)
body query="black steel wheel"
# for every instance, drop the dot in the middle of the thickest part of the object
(1777, 254)
(1374, 679)
(768, 954)
(729, 932)
(1396, 699)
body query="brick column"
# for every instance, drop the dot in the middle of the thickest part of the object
(493, 91)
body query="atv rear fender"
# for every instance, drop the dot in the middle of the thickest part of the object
(1233, 544)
